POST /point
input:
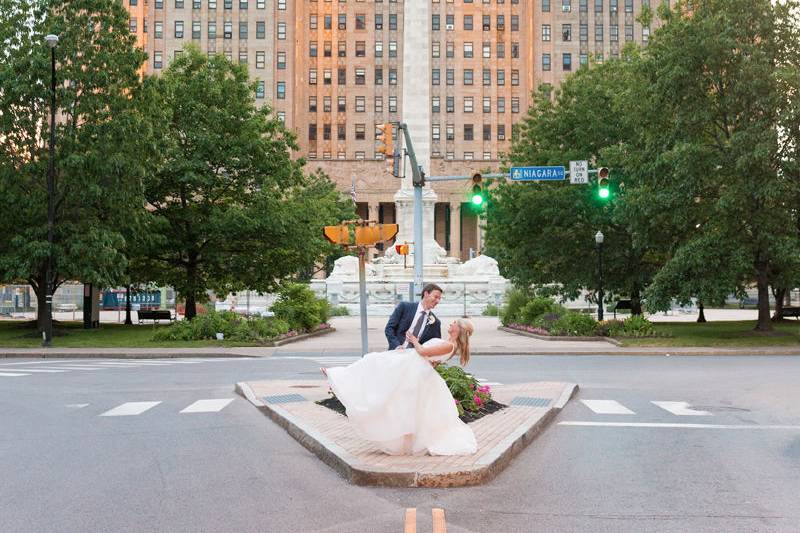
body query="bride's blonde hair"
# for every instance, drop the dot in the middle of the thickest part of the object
(465, 329)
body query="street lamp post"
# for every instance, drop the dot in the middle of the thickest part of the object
(598, 238)
(52, 41)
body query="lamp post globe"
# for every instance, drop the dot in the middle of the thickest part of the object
(52, 40)
(598, 237)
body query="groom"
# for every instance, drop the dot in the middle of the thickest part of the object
(416, 318)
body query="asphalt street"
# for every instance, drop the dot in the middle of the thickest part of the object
(649, 444)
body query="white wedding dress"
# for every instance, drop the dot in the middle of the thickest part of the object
(397, 400)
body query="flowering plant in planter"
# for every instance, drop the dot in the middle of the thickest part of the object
(470, 396)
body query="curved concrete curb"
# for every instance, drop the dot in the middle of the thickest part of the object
(449, 473)
(558, 337)
(304, 336)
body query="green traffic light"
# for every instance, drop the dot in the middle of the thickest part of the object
(603, 193)
(477, 199)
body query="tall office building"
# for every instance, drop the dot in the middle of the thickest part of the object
(459, 72)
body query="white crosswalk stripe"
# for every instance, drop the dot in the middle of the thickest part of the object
(208, 406)
(607, 407)
(39, 370)
(68, 365)
(130, 409)
(680, 408)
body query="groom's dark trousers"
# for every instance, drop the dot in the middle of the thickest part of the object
(401, 321)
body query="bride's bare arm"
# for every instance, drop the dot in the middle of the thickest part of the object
(430, 351)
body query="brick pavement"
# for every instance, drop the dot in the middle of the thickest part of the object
(500, 436)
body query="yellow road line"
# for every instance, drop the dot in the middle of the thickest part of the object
(411, 520)
(439, 525)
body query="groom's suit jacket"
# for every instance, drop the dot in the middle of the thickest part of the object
(401, 320)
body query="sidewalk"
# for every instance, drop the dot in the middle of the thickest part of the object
(346, 340)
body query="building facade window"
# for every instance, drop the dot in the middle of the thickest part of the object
(281, 31)
(546, 32)
(281, 90)
(158, 60)
(281, 62)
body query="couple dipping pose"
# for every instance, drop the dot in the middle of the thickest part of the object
(396, 399)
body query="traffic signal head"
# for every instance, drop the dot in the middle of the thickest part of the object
(477, 197)
(602, 183)
(401, 249)
(385, 139)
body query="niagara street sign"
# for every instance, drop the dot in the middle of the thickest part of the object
(537, 173)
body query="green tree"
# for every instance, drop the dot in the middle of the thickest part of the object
(543, 233)
(231, 209)
(97, 164)
(725, 73)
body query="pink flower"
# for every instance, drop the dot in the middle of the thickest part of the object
(483, 389)
(471, 385)
(457, 402)
(477, 400)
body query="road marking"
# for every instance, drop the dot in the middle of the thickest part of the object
(34, 370)
(130, 409)
(607, 407)
(77, 405)
(675, 425)
(439, 525)
(208, 406)
(83, 367)
(411, 520)
(680, 409)
(11, 374)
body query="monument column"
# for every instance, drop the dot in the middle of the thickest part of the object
(455, 229)
(416, 114)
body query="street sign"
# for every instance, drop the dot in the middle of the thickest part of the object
(578, 172)
(537, 173)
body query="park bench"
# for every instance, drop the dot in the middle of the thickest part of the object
(154, 314)
(791, 311)
(620, 305)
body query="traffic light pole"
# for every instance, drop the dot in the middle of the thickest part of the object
(418, 180)
(362, 294)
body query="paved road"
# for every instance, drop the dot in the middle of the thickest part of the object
(109, 445)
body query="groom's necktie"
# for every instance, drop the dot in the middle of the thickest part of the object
(418, 325)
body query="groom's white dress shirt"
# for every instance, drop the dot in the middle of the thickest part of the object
(418, 317)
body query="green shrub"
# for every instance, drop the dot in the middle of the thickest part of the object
(537, 308)
(490, 310)
(547, 320)
(638, 326)
(574, 324)
(515, 301)
(339, 310)
(234, 327)
(470, 396)
(609, 328)
(299, 306)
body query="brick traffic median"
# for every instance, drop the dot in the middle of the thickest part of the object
(500, 435)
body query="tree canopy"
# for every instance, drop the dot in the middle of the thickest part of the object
(700, 131)
(230, 207)
(98, 139)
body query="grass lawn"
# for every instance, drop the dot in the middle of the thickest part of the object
(19, 334)
(735, 334)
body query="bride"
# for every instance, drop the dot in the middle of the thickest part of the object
(396, 399)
